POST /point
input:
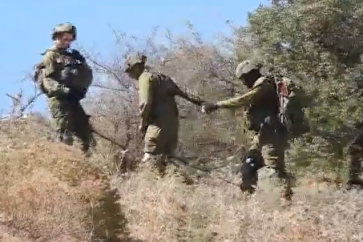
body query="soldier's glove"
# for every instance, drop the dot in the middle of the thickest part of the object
(209, 107)
(60, 92)
(78, 56)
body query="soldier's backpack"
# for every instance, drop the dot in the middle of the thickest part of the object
(293, 101)
(38, 76)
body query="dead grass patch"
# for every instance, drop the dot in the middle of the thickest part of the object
(168, 210)
(50, 191)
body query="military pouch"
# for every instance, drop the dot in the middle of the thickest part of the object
(251, 163)
(259, 120)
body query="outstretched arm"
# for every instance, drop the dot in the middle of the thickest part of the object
(246, 99)
(187, 95)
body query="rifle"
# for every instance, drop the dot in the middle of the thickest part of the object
(93, 130)
(107, 138)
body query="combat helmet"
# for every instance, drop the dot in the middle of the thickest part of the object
(64, 28)
(132, 60)
(245, 67)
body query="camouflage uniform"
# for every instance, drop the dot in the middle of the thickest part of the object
(58, 82)
(158, 111)
(270, 140)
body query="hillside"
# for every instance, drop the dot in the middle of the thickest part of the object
(48, 191)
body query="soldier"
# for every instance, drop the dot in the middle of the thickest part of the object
(271, 138)
(158, 111)
(64, 77)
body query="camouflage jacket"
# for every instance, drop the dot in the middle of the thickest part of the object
(261, 101)
(54, 61)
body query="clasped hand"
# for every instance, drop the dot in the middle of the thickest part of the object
(209, 107)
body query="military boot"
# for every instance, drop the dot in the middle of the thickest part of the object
(153, 163)
(355, 181)
(247, 188)
(145, 162)
(63, 137)
(161, 164)
(286, 191)
(58, 137)
(86, 150)
(354, 173)
(67, 138)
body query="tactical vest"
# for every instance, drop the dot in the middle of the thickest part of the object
(82, 74)
(264, 111)
(81, 78)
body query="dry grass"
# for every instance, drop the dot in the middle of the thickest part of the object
(168, 210)
(49, 192)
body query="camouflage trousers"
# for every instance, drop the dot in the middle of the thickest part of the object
(356, 158)
(161, 136)
(161, 141)
(71, 123)
(268, 149)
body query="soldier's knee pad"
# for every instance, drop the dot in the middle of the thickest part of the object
(253, 159)
(250, 165)
(249, 174)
